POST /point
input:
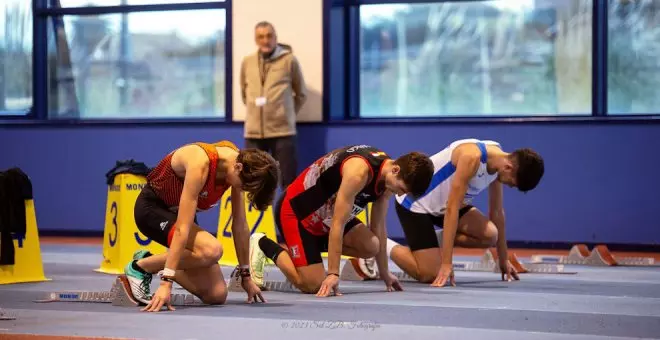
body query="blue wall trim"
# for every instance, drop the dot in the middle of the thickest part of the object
(579, 199)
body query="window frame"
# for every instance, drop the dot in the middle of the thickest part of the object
(42, 12)
(28, 113)
(599, 87)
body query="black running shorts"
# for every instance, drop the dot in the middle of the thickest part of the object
(154, 218)
(305, 248)
(419, 229)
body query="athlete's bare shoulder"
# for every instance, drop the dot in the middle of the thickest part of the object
(188, 156)
(465, 152)
(225, 151)
(354, 167)
(355, 174)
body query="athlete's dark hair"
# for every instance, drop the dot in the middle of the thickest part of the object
(416, 172)
(260, 177)
(530, 168)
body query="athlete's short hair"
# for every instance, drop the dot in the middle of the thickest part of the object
(416, 172)
(530, 168)
(260, 176)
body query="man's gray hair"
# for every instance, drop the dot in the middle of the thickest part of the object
(264, 24)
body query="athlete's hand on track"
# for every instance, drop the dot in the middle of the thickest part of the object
(446, 272)
(331, 283)
(253, 291)
(162, 297)
(392, 283)
(508, 270)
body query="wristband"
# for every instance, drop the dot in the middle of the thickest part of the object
(337, 275)
(243, 272)
(167, 272)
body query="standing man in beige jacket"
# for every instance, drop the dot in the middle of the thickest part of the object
(273, 90)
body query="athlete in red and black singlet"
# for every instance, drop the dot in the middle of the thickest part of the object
(313, 193)
(168, 186)
(155, 208)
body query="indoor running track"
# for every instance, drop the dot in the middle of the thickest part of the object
(596, 303)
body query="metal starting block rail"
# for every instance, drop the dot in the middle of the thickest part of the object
(234, 285)
(599, 256)
(78, 296)
(117, 296)
(535, 268)
(352, 271)
(5, 315)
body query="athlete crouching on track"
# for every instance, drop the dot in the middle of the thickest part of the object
(193, 178)
(462, 170)
(317, 212)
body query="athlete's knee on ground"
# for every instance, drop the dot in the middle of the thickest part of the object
(308, 286)
(215, 296)
(424, 273)
(427, 274)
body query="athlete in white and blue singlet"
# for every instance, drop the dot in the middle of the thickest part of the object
(462, 171)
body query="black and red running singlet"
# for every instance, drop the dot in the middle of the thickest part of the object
(312, 195)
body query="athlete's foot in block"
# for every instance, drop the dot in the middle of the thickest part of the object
(140, 283)
(257, 259)
(367, 268)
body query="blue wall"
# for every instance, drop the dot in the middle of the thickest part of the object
(600, 186)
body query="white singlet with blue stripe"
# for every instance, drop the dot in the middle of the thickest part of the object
(434, 200)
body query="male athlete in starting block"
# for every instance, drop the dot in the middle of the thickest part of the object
(318, 212)
(193, 178)
(462, 170)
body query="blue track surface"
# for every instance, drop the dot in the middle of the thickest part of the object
(596, 303)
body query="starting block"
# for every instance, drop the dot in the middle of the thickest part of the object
(537, 268)
(353, 271)
(117, 296)
(577, 255)
(269, 286)
(599, 256)
(234, 285)
(4, 315)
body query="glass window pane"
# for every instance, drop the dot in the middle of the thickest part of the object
(15, 56)
(93, 3)
(138, 65)
(508, 57)
(633, 57)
